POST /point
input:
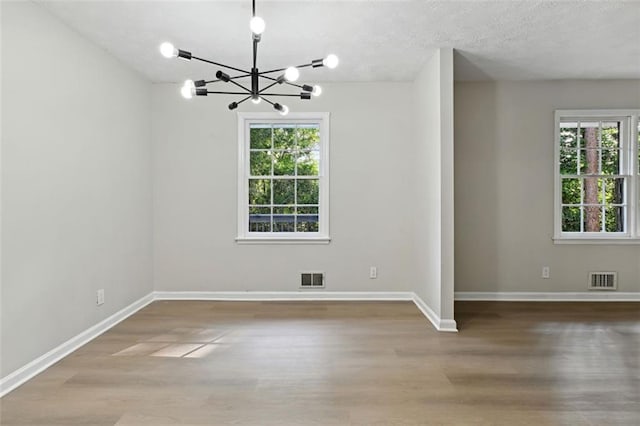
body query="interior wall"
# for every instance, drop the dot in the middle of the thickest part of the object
(195, 172)
(447, 186)
(427, 167)
(504, 173)
(76, 184)
(433, 165)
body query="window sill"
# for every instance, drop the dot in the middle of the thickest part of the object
(283, 240)
(598, 241)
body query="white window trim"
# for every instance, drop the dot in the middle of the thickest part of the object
(632, 236)
(246, 237)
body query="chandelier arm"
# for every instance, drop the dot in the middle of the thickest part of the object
(281, 94)
(242, 100)
(286, 82)
(220, 65)
(268, 87)
(240, 85)
(266, 100)
(225, 93)
(268, 78)
(300, 86)
(294, 84)
(284, 69)
(230, 78)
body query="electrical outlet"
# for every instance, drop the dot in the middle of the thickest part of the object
(373, 272)
(545, 272)
(100, 297)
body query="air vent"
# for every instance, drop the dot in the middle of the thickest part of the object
(312, 280)
(603, 281)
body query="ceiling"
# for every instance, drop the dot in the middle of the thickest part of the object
(375, 40)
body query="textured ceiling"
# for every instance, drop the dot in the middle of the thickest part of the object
(375, 40)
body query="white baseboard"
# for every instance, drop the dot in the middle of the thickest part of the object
(309, 295)
(593, 296)
(447, 325)
(26, 372)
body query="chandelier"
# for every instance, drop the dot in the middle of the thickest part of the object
(256, 92)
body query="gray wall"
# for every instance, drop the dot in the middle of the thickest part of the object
(433, 166)
(504, 175)
(76, 187)
(371, 209)
(427, 150)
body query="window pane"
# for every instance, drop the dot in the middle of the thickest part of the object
(259, 219)
(614, 219)
(284, 137)
(283, 191)
(264, 210)
(259, 191)
(283, 223)
(568, 162)
(571, 219)
(611, 162)
(284, 210)
(611, 135)
(260, 163)
(309, 137)
(568, 135)
(308, 191)
(307, 219)
(283, 163)
(307, 223)
(592, 190)
(590, 135)
(589, 161)
(592, 219)
(571, 191)
(596, 201)
(260, 137)
(307, 210)
(308, 163)
(283, 176)
(613, 191)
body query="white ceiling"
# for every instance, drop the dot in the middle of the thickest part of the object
(375, 40)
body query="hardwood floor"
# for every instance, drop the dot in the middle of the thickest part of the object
(346, 363)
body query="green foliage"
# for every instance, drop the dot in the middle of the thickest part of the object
(259, 191)
(281, 160)
(574, 162)
(260, 163)
(284, 192)
(260, 138)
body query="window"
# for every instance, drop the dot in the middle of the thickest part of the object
(283, 188)
(597, 186)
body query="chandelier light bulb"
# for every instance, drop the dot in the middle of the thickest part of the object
(291, 74)
(257, 25)
(168, 50)
(331, 61)
(256, 100)
(284, 110)
(317, 91)
(188, 89)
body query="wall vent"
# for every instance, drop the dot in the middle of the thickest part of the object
(312, 280)
(603, 281)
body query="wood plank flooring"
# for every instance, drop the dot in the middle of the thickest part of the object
(346, 363)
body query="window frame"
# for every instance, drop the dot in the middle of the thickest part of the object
(246, 119)
(630, 146)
